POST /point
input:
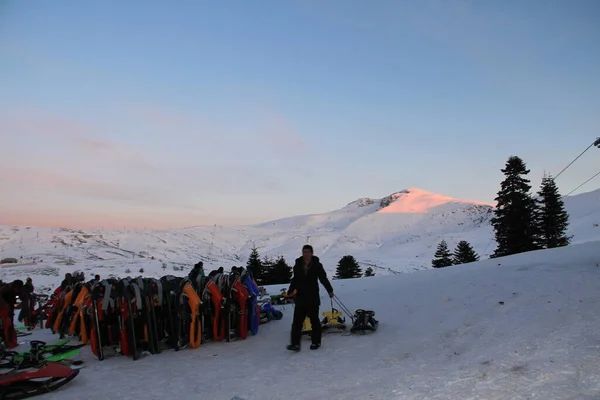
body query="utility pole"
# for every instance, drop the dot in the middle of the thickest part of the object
(212, 241)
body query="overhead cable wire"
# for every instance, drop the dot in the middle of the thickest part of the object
(598, 173)
(595, 143)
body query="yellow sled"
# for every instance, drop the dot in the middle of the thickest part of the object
(334, 320)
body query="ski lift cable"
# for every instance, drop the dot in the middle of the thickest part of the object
(595, 143)
(488, 245)
(595, 175)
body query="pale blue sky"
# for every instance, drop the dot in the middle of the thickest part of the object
(154, 113)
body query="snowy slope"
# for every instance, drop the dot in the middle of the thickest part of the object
(395, 234)
(444, 335)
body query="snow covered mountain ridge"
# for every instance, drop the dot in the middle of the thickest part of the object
(392, 235)
(411, 200)
(414, 200)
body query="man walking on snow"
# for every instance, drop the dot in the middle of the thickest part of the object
(308, 271)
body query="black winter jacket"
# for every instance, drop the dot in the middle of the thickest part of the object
(307, 285)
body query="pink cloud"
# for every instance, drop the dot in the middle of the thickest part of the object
(163, 116)
(96, 172)
(260, 122)
(46, 180)
(39, 124)
(112, 205)
(281, 136)
(111, 219)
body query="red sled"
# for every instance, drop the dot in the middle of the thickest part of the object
(21, 384)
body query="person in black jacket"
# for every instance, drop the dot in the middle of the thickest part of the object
(308, 271)
(27, 298)
(68, 281)
(196, 273)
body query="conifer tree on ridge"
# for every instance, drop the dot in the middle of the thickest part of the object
(552, 217)
(442, 257)
(515, 215)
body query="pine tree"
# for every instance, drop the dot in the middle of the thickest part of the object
(442, 256)
(348, 268)
(254, 265)
(266, 271)
(514, 220)
(552, 217)
(280, 273)
(464, 253)
(369, 272)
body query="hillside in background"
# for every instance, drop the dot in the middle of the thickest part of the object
(392, 235)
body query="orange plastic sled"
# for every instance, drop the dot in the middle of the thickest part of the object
(195, 326)
(80, 316)
(217, 300)
(67, 300)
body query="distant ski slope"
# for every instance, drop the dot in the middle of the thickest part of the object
(395, 234)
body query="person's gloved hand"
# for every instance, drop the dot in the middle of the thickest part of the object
(290, 294)
(331, 295)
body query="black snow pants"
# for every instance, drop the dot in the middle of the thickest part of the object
(300, 313)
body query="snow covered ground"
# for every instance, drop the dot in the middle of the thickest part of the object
(392, 235)
(519, 327)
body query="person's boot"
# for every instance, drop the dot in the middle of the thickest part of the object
(315, 346)
(293, 347)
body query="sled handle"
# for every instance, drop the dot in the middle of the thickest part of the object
(36, 343)
(343, 307)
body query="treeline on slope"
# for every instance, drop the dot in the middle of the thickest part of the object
(463, 253)
(521, 221)
(269, 271)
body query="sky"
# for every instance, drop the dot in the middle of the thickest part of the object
(153, 114)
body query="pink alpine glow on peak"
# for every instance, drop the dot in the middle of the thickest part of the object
(415, 200)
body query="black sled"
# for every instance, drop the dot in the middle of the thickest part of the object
(363, 321)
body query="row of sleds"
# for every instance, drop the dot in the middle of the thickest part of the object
(137, 315)
(130, 316)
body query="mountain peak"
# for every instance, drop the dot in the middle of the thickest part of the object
(415, 200)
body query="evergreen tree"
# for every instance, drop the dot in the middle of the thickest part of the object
(515, 221)
(266, 272)
(348, 268)
(552, 217)
(369, 272)
(442, 256)
(280, 273)
(464, 253)
(254, 265)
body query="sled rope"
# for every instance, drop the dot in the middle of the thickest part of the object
(342, 306)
